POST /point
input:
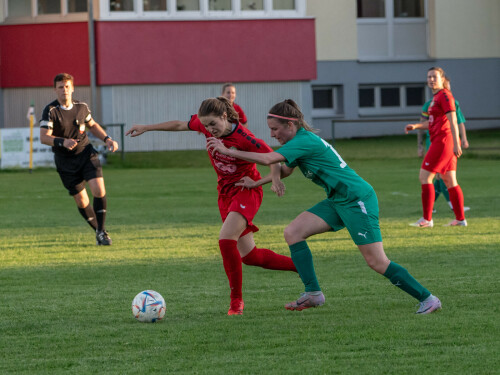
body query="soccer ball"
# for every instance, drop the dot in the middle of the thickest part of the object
(148, 306)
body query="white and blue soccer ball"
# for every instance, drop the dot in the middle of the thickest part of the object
(148, 306)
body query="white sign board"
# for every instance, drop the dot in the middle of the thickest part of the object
(15, 149)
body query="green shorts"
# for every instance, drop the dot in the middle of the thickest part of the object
(359, 217)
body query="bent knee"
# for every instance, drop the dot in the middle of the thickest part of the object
(378, 265)
(292, 235)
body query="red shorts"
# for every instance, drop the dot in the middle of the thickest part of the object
(246, 202)
(440, 157)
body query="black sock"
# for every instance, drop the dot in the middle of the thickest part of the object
(89, 216)
(100, 211)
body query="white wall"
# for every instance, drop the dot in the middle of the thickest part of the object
(336, 35)
(465, 28)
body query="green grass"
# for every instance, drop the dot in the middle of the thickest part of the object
(65, 303)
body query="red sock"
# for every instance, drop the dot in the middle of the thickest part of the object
(457, 201)
(428, 197)
(268, 259)
(232, 265)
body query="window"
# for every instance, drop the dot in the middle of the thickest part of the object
(49, 6)
(409, 8)
(199, 9)
(392, 30)
(371, 8)
(154, 5)
(188, 5)
(252, 4)
(45, 8)
(121, 5)
(327, 101)
(391, 99)
(323, 98)
(283, 4)
(19, 8)
(219, 5)
(415, 96)
(76, 6)
(366, 97)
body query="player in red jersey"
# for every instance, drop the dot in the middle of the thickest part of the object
(240, 192)
(229, 92)
(444, 150)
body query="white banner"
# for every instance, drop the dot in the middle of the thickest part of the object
(15, 149)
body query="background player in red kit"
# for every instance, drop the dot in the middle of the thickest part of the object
(443, 153)
(240, 192)
(229, 92)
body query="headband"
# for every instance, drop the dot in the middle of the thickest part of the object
(281, 117)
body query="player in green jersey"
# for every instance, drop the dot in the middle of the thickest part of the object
(351, 203)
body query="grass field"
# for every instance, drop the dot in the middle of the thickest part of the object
(65, 303)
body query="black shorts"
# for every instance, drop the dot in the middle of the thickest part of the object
(74, 170)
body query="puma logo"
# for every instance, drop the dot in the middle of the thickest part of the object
(362, 234)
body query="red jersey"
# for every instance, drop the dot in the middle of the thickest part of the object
(230, 170)
(241, 114)
(439, 126)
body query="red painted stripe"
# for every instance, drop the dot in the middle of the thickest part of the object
(205, 51)
(32, 55)
(157, 52)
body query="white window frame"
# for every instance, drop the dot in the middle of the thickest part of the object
(63, 16)
(390, 21)
(204, 13)
(402, 109)
(337, 109)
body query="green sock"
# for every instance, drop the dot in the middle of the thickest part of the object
(302, 258)
(401, 278)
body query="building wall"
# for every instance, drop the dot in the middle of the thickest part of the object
(465, 29)
(149, 104)
(37, 62)
(180, 51)
(478, 94)
(336, 35)
(176, 52)
(463, 38)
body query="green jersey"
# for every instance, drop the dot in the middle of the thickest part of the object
(321, 163)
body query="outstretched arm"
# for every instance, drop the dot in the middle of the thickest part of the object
(422, 125)
(168, 126)
(214, 144)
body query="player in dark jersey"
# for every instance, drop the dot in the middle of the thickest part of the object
(351, 203)
(443, 152)
(239, 187)
(63, 126)
(229, 92)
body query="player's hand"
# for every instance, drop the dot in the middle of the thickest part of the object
(465, 143)
(111, 145)
(410, 127)
(215, 144)
(136, 130)
(457, 150)
(278, 188)
(70, 143)
(246, 183)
